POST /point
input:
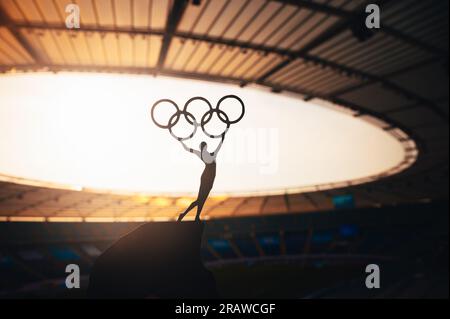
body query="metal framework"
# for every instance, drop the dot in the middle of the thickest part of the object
(170, 32)
(251, 47)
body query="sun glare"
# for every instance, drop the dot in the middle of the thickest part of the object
(94, 132)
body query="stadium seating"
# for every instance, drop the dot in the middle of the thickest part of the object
(39, 252)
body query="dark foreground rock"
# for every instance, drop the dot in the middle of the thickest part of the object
(157, 260)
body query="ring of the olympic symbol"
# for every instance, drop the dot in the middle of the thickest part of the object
(177, 116)
(190, 118)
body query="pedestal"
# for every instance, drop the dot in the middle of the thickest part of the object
(157, 260)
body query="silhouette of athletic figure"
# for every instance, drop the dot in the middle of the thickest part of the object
(208, 176)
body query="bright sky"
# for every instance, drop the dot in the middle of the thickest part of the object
(95, 131)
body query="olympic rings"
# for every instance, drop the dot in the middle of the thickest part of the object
(231, 97)
(210, 113)
(169, 124)
(197, 98)
(187, 115)
(190, 118)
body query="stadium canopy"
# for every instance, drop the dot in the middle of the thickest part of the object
(395, 78)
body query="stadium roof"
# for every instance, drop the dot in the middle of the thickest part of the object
(316, 49)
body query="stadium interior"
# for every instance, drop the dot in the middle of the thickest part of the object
(313, 243)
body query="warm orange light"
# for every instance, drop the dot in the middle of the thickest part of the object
(131, 219)
(142, 199)
(160, 219)
(93, 132)
(99, 219)
(219, 198)
(26, 219)
(65, 219)
(162, 202)
(184, 201)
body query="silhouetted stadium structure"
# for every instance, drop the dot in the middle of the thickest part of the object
(395, 77)
(291, 256)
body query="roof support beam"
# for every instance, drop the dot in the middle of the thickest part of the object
(318, 7)
(5, 21)
(338, 28)
(120, 69)
(383, 81)
(401, 71)
(180, 6)
(414, 42)
(88, 28)
(178, 9)
(148, 32)
(352, 15)
(330, 33)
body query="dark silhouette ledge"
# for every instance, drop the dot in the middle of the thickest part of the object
(157, 260)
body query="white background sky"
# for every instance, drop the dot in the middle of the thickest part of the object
(95, 131)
